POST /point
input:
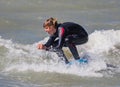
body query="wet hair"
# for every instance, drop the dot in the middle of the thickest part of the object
(50, 22)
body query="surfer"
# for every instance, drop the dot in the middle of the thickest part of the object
(67, 34)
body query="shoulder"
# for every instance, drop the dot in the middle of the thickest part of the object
(69, 24)
(61, 29)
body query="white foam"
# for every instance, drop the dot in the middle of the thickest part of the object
(58, 68)
(28, 57)
(101, 41)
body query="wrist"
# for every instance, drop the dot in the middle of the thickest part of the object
(44, 47)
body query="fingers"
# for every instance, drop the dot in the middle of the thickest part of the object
(40, 46)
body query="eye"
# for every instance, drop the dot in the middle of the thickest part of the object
(46, 28)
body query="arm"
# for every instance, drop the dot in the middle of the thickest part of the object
(61, 34)
(50, 41)
(47, 44)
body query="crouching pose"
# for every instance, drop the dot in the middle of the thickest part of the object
(67, 34)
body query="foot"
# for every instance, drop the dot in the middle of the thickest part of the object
(82, 60)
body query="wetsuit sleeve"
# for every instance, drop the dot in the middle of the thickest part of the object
(61, 34)
(50, 41)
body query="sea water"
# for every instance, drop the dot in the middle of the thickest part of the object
(23, 65)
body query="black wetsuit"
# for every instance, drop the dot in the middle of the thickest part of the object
(68, 34)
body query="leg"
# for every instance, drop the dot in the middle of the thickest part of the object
(72, 47)
(60, 52)
(74, 51)
(72, 40)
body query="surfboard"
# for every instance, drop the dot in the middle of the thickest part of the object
(82, 60)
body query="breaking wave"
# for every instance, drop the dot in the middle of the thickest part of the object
(102, 48)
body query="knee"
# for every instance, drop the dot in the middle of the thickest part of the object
(68, 39)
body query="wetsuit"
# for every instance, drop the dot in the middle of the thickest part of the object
(68, 34)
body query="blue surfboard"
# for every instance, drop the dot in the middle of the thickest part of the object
(80, 61)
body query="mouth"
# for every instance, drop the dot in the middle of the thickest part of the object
(48, 32)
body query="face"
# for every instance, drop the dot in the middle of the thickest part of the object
(50, 30)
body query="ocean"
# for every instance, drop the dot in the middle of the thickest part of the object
(23, 65)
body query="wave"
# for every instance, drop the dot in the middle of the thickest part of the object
(103, 47)
(101, 41)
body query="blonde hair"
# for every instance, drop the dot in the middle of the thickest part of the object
(50, 22)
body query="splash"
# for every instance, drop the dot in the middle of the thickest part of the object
(101, 41)
(22, 58)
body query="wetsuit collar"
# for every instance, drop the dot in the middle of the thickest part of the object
(58, 25)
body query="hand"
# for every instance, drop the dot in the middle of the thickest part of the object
(41, 46)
